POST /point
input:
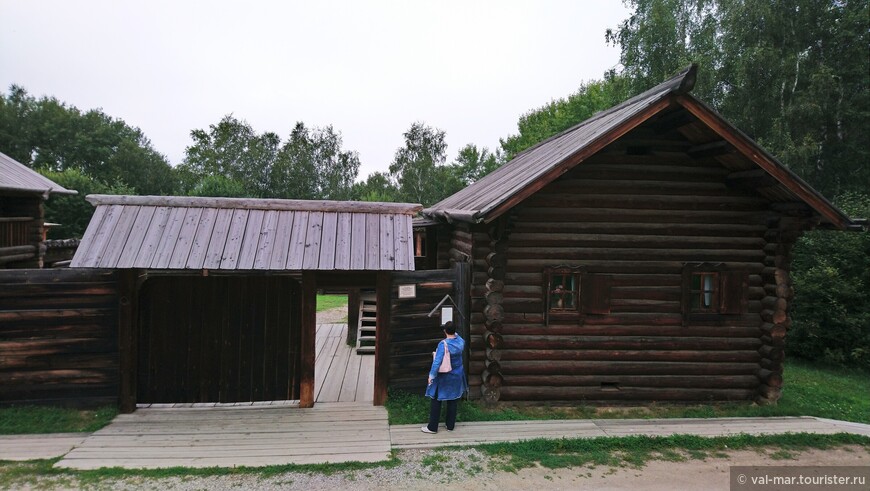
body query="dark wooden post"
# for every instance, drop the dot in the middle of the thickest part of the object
(352, 315)
(127, 338)
(309, 328)
(382, 339)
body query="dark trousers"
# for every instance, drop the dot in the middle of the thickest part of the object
(435, 414)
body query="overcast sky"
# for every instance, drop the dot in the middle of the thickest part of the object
(368, 68)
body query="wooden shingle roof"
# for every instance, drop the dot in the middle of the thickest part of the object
(534, 168)
(17, 177)
(172, 233)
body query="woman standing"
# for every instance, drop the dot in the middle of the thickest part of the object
(448, 386)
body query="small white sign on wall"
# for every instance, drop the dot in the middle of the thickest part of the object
(407, 291)
(446, 315)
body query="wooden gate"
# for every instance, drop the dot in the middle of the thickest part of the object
(413, 335)
(219, 339)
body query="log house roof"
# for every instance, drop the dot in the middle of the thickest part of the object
(17, 177)
(534, 168)
(181, 233)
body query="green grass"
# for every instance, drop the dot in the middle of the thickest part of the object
(635, 451)
(808, 390)
(326, 302)
(39, 419)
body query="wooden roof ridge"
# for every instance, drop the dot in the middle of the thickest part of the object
(257, 204)
(528, 171)
(15, 176)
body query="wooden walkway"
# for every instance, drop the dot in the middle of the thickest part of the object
(341, 375)
(237, 436)
(29, 447)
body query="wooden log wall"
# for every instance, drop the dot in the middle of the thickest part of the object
(413, 335)
(58, 337)
(14, 235)
(638, 216)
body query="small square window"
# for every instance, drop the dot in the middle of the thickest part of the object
(563, 292)
(704, 292)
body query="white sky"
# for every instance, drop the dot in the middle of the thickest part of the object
(368, 68)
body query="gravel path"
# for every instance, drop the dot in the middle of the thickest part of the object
(337, 315)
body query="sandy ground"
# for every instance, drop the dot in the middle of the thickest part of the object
(332, 316)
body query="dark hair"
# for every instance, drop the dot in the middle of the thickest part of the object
(449, 328)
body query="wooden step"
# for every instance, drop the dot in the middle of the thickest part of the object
(365, 350)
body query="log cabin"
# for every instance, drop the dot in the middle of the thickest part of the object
(22, 214)
(640, 256)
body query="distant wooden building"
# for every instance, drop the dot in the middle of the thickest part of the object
(22, 214)
(642, 255)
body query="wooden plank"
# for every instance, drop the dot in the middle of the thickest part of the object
(387, 249)
(218, 240)
(297, 241)
(383, 334)
(136, 237)
(168, 239)
(235, 236)
(328, 242)
(145, 254)
(283, 235)
(266, 246)
(372, 242)
(313, 239)
(251, 239)
(404, 254)
(366, 380)
(202, 238)
(103, 237)
(257, 204)
(358, 246)
(119, 238)
(186, 235)
(343, 237)
(88, 240)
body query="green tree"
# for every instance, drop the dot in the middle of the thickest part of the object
(376, 187)
(472, 163)
(232, 149)
(73, 212)
(418, 169)
(794, 75)
(220, 187)
(559, 115)
(313, 165)
(47, 134)
(831, 277)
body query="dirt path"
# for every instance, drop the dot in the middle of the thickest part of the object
(332, 316)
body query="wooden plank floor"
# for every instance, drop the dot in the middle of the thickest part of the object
(47, 446)
(237, 436)
(340, 374)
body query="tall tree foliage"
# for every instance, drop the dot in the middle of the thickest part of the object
(73, 212)
(418, 169)
(559, 115)
(793, 74)
(48, 134)
(231, 157)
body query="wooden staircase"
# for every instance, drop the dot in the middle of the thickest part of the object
(368, 314)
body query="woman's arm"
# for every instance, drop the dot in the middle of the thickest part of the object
(436, 362)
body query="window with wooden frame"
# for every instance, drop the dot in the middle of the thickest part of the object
(571, 292)
(711, 290)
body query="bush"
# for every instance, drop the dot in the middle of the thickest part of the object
(831, 275)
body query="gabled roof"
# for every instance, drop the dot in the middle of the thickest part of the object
(178, 233)
(15, 176)
(534, 168)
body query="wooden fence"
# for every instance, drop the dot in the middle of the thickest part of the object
(58, 337)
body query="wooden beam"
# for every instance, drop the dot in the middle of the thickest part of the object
(672, 121)
(257, 204)
(128, 335)
(711, 149)
(755, 178)
(752, 151)
(382, 340)
(353, 299)
(309, 327)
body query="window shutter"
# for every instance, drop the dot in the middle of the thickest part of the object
(732, 292)
(595, 293)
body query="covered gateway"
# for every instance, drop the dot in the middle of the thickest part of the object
(218, 294)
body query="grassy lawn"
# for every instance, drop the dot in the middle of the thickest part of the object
(35, 419)
(326, 302)
(809, 390)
